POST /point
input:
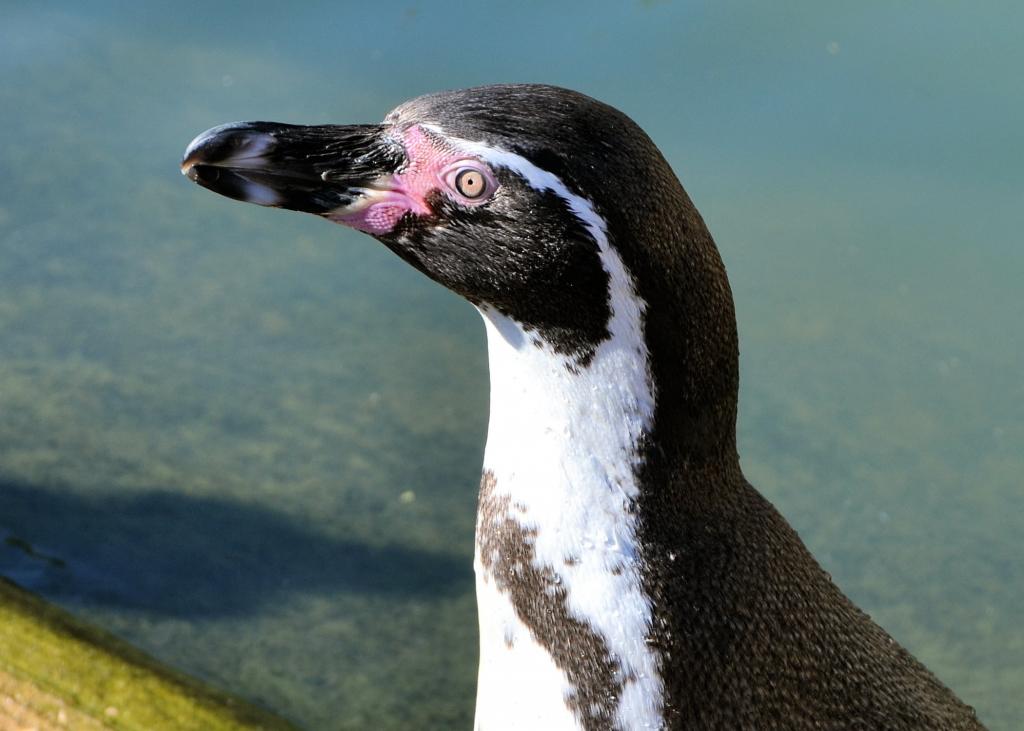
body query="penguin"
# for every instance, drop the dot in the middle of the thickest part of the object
(628, 576)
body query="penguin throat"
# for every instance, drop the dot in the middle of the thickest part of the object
(563, 612)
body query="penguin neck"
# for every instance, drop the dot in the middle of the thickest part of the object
(578, 451)
(566, 433)
(564, 436)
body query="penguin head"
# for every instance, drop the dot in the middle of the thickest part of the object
(499, 193)
(513, 196)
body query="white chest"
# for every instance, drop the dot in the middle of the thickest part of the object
(558, 570)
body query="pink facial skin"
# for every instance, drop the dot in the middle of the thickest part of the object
(431, 166)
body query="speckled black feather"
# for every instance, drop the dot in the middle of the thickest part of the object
(541, 602)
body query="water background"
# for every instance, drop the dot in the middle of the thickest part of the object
(249, 441)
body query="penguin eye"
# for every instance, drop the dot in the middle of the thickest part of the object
(469, 181)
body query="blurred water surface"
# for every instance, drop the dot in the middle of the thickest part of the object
(249, 441)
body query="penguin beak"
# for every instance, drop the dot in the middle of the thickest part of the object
(328, 170)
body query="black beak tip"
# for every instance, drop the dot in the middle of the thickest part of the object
(221, 144)
(235, 160)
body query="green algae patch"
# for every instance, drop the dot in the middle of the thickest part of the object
(57, 672)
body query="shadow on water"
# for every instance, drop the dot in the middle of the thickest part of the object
(192, 556)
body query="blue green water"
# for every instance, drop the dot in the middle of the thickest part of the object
(249, 441)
